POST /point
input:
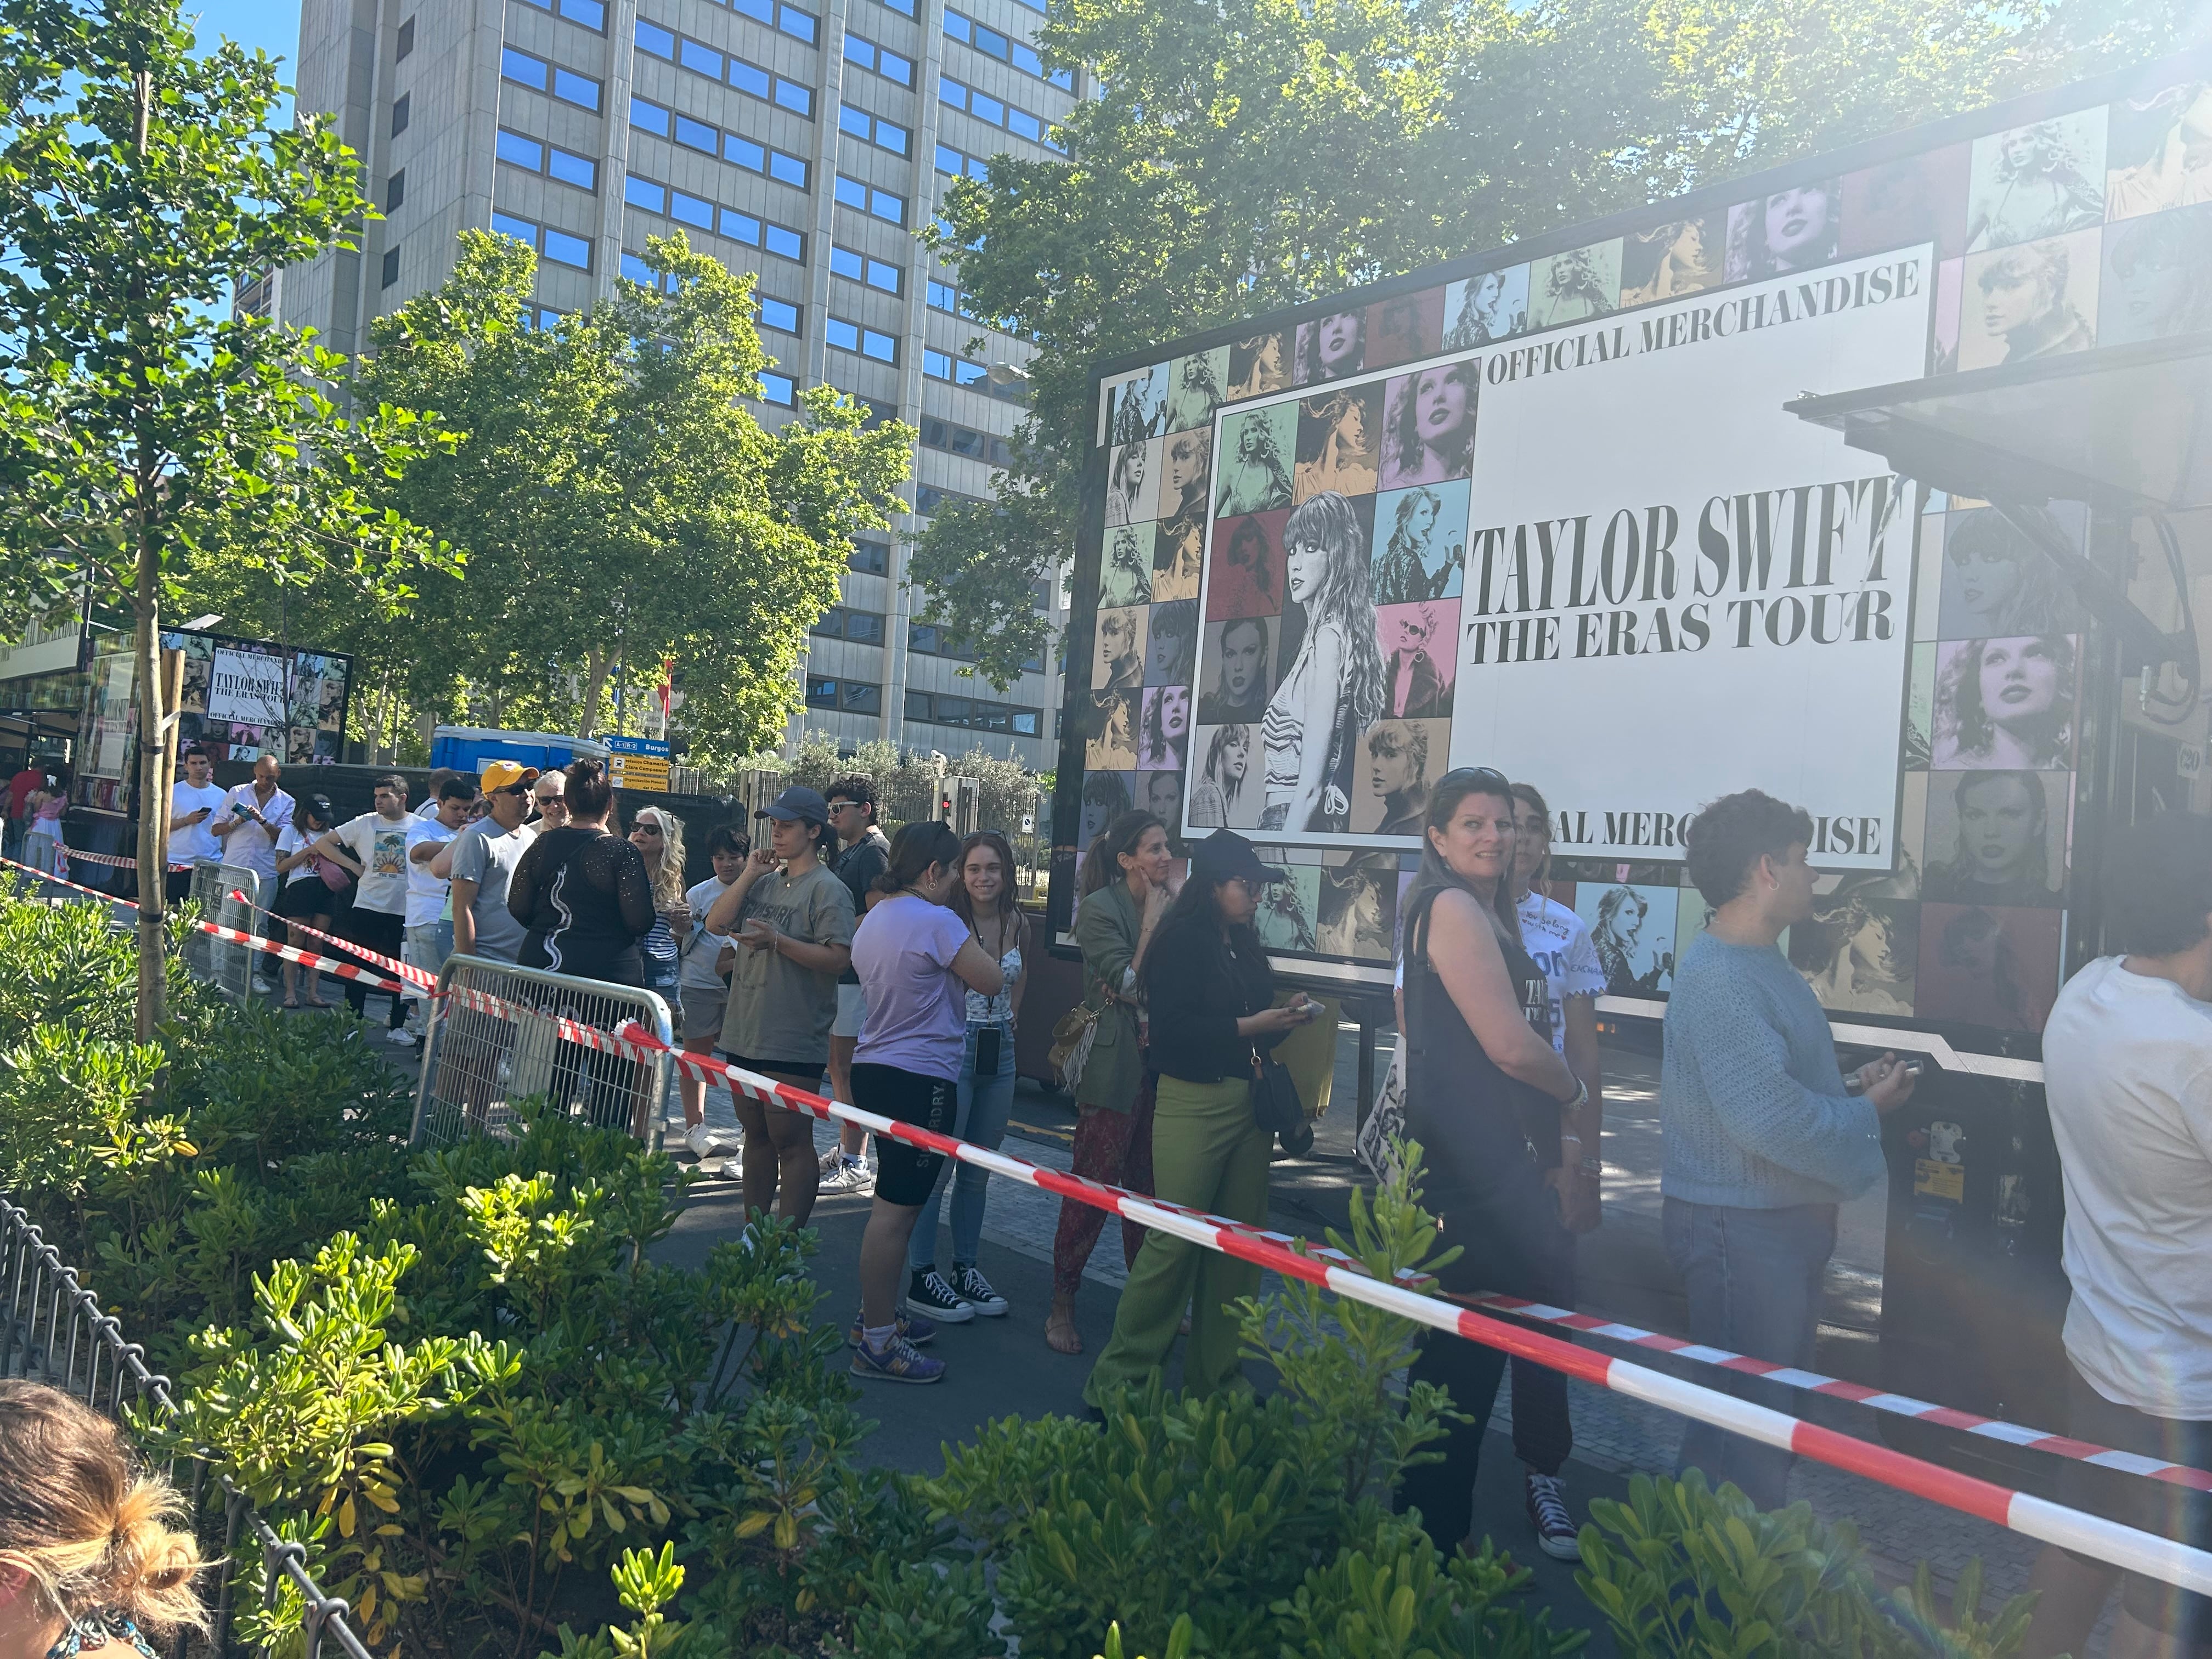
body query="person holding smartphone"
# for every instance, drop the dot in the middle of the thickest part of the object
(1212, 1000)
(193, 799)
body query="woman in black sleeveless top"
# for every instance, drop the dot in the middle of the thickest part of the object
(1483, 1094)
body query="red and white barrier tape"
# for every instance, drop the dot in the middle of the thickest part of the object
(1899, 1405)
(2053, 1524)
(289, 953)
(80, 854)
(419, 978)
(636, 1043)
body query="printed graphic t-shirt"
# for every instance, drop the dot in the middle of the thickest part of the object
(1559, 943)
(380, 844)
(778, 1009)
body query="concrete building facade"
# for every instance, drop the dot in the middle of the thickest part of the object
(803, 140)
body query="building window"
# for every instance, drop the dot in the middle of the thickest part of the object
(904, 7)
(702, 59)
(984, 107)
(870, 559)
(778, 389)
(800, 25)
(664, 122)
(557, 246)
(861, 626)
(847, 696)
(940, 366)
(520, 150)
(406, 42)
(858, 267)
(655, 197)
(884, 135)
(954, 163)
(867, 198)
(778, 313)
(591, 14)
(973, 714)
(956, 440)
(882, 59)
(540, 319)
(395, 190)
(868, 342)
(400, 113)
(540, 76)
(929, 500)
(391, 272)
(992, 43)
(634, 270)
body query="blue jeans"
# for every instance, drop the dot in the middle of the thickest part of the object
(1753, 1279)
(985, 1105)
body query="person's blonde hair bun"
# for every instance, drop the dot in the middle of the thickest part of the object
(89, 1528)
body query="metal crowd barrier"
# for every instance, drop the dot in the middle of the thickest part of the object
(500, 1033)
(51, 1331)
(232, 966)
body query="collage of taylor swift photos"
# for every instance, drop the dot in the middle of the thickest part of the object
(1312, 687)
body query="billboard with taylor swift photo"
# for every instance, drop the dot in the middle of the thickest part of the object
(1542, 509)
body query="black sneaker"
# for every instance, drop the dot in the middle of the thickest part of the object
(1548, 1513)
(969, 1284)
(928, 1294)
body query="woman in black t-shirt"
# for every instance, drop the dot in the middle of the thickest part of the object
(1484, 1093)
(582, 891)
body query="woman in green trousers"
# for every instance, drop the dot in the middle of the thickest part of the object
(1209, 988)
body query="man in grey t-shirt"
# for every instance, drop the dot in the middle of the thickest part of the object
(483, 858)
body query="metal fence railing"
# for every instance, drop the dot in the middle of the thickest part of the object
(53, 1331)
(502, 1033)
(232, 966)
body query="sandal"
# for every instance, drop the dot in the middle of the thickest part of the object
(315, 1002)
(292, 1002)
(1061, 1334)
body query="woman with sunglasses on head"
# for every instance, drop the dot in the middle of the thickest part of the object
(1212, 996)
(658, 834)
(1485, 1092)
(984, 900)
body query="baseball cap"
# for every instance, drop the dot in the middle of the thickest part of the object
(505, 774)
(798, 804)
(1224, 855)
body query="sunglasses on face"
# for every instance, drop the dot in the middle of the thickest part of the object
(516, 789)
(647, 830)
(551, 801)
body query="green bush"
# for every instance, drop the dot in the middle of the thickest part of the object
(1680, 1572)
(1233, 1525)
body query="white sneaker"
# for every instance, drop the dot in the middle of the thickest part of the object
(706, 1142)
(401, 1037)
(849, 1174)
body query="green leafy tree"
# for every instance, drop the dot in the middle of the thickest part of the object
(1253, 154)
(619, 503)
(143, 431)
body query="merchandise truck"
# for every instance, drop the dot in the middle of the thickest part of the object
(1881, 482)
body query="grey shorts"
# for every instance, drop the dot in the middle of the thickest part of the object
(702, 1012)
(852, 1009)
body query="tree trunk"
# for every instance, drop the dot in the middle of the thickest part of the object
(595, 681)
(153, 796)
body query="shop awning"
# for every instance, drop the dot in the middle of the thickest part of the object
(2126, 427)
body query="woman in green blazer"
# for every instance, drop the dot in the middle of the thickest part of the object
(1125, 889)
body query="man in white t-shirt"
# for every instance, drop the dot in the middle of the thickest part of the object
(248, 824)
(429, 932)
(374, 847)
(194, 800)
(252, 816)
(2127, 1070)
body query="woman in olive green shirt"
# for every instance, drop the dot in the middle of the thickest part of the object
(1126, 889)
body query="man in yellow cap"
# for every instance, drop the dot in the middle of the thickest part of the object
(481, 861)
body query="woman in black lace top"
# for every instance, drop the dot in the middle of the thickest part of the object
(583, 892)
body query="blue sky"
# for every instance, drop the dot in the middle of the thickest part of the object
(271, 25)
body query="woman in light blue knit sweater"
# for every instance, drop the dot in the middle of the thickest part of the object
(1763, 1139)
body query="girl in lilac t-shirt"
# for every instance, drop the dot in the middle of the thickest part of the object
(916, 959)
